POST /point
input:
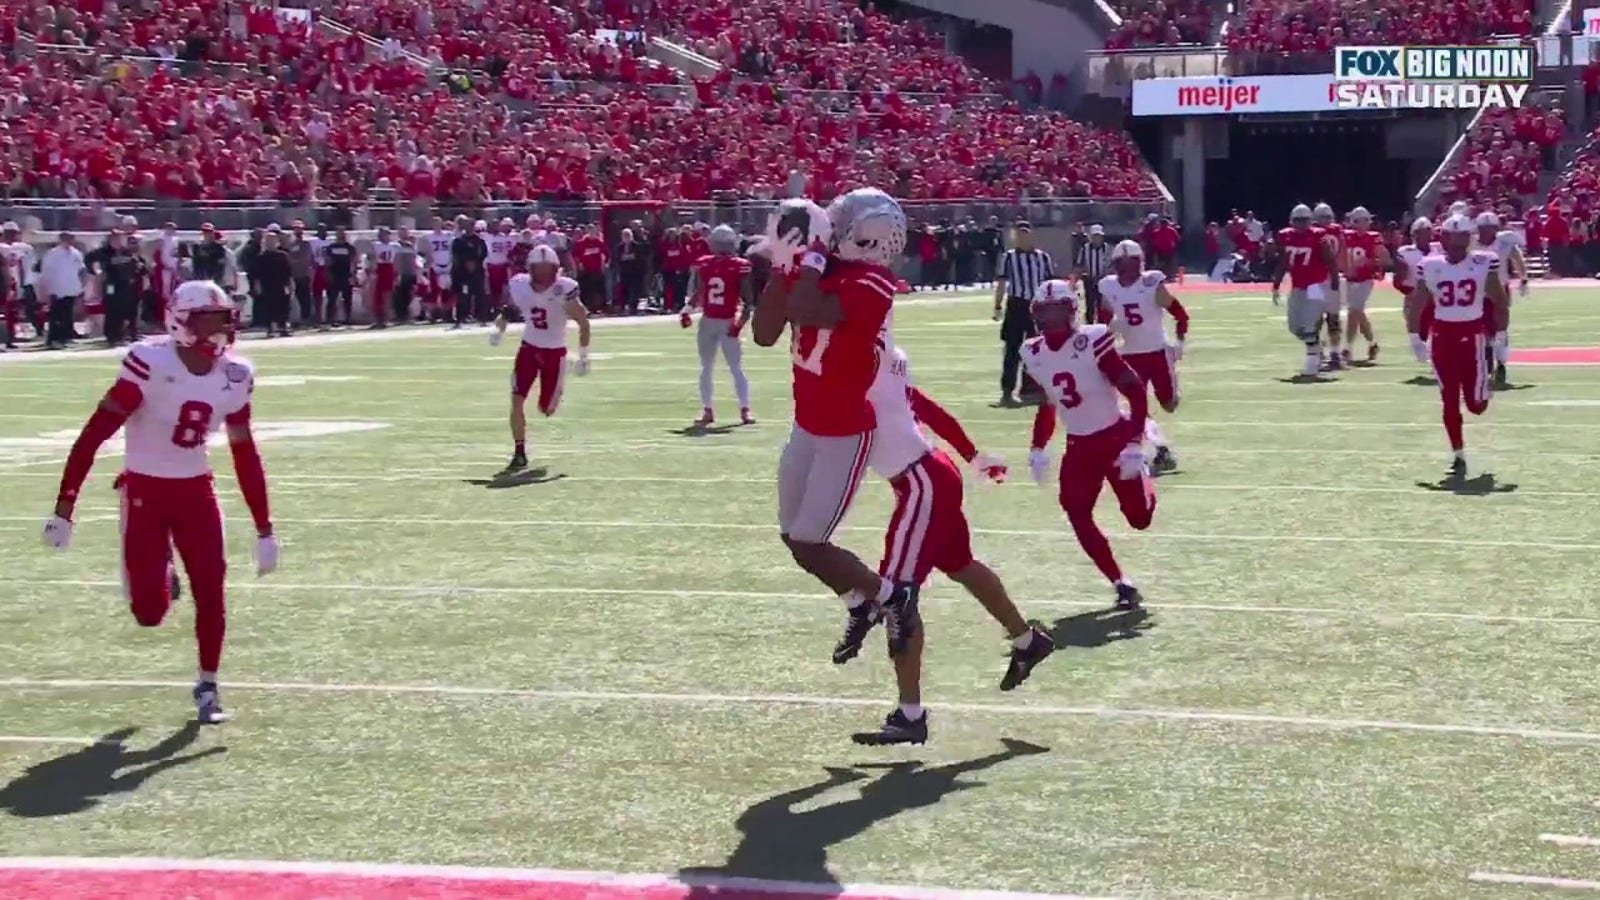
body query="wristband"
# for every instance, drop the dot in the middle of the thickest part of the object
(813, 260)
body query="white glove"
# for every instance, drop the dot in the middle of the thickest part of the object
(582, 368)
(58, 533)
(1130, 462)
(495, 337)
(1176, 350)
(1502, 347)
(786, 238)
(1039, 465)
(990, 467)
(1419, 348)
(266, 555)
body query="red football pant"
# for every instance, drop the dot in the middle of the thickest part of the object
(499, 276)
(545, 365)
(1158, 373)
(928, 529)
(1089, 463)
(1461, 359)
(159, 514)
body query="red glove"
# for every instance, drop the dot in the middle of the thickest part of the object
(685, 320)
(734, 328)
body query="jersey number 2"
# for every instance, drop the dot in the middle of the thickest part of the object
(537, 319)
(1068, 386)
(810, 358)
(194, 421)
(715, 289)
(1467, 287)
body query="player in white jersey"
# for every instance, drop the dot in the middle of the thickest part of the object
(385, 278)
(1085, 378)
(167, 273)
(18, 258)
(1507, 246)
(1408, 261)
(497, 263)
(171, 395)
(1135, 302)
(546, 299)
(440, 298)
(1469, 303)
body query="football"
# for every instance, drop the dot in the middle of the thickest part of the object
(795, 215)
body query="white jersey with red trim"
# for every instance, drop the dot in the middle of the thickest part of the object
(18, 258)
(1085, 398)
(544, 312)
(166, 254)
(1459, 289)
(1411, 257)
(499, 248)
(439, 248)
(1135, 314)
(1504, 244)
(167, 434)
(385, 253)
(898, 441)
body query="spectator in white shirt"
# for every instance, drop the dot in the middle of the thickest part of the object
(61, 279)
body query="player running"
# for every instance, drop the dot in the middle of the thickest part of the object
(1309, 262)
(1364, 257)
(1408, 261)
(836, 306)
(1082, 372)
(928, 531)
(1133, 302)
(172, 393)
(721, 287)
(546, 299)
(1469, 302)
(1507, 246)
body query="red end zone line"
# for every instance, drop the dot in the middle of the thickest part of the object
(126, 879)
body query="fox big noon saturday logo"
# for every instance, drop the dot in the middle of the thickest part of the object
(1431, 77)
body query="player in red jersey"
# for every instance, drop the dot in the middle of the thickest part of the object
(836, 306)
(1364, 257)
(720, 286)
(1309, 262)
(171, 394)
(1469, 305)
(1084, 375)
(1322, 216)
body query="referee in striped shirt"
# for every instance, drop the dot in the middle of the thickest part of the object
(1022, 270)
(1093, 263)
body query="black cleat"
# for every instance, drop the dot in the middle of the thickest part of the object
(1500, 380)
(1458, 468)
(1128, 597)
(897, 729)
(208, 704)
(174, 584)
(1164, 461)
(901, 619)
(1023, 660)
(857, 625)
(518, 461)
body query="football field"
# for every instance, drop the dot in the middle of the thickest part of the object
(1354, 679)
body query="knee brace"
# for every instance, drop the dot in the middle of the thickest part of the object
(1333, 322)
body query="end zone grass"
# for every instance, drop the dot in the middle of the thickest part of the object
(1355, 680)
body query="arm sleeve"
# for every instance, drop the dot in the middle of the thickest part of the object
(1180, 316)
(123, 398)
(251, 474)
(1122, 377)
(943, 424)
(1044, 425)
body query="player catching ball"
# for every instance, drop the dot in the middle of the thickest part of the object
(546, 299)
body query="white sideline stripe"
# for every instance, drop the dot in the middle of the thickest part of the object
(42, 739)
(708, 699)
(480, 873)
(442, 590)
(1570, 884)
(1570, 840)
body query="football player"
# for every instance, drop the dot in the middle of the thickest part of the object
(1469, 304)
(171, 394)
(546, 299)
(1084, 376)
(1309, 262)
(1134, 302)
(721, 287)
(1364, 257)
(1408, 262)
(1507, 245)
(1333, 235)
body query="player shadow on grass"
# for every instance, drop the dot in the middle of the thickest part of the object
(1303, 378)
(1480, 486)
(514, 478)
(1100, 627)
(76, 782)
(700, 431)
(780, 842)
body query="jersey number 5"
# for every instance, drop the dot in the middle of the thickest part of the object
(538, 319)
(1068, 386)
(1467, 287)
(1131, 314)
(194, 421)
(810, 358)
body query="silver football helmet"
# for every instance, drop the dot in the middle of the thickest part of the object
(723, 241)
(868, 226)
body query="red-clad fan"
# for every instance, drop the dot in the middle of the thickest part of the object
(1470, 305)
(171, 394)
(1304, 255)
(1086, 380)
(1134, 303)
(721, 287)
(1365, 256)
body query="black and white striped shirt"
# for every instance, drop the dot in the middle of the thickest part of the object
(1094, 261)
(1024, 271)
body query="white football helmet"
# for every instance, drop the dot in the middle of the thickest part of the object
(868, 226)
(191, 298)
(1456, 225)
(1127, 258)
(1488, 219)
(1423, 223)
(1460, 208)
(543, 255)
(1323, 213)
(724, 241)
(1359, 216)
(1056, 304)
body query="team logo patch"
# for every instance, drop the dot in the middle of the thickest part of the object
(235, 373)
(1080, 342)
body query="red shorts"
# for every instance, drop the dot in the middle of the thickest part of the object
(319, 280)
(1461, 359)
(383, 280)
(1156, 370)
(159, 514)
(438, 286)
(928, 529)
(499, 276)
(1091, 461)
(547, 366)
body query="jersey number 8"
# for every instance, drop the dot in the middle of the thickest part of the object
(194, 421)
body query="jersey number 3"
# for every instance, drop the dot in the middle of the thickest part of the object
(810, 358)
(1068, 386)
(194, 422)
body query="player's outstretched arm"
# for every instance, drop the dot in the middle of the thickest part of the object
(107, 418)
(945, 425)
(1044, 425)
(747, 302)
(1127, 383)
(1173, 305)
(772, 313)
(252, 478)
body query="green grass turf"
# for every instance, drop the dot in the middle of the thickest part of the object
(1300, 566)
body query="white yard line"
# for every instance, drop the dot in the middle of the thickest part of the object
(1570, 840)
(601, 881)
(1569, 884)
(444, 590)
(41, 739)
(712, 699)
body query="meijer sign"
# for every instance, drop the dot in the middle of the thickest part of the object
(1235, 96)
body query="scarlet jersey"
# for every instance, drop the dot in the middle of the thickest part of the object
(1333, 235)
(1459, 289)
(1136, 315)
(1086, 399)
(720, 278)
(545, 312)
(898, 440)
(178, 410)
(1410, 260)
(499, 248)
(439, 247)
(1302, 251)
(1363, 249)
(834, 367)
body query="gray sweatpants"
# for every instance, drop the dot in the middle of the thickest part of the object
(713, 335)
(1305, 314)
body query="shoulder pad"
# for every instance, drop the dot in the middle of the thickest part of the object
(1106, 281)
(1153, 278)
(238, 369)
(1096, 331)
